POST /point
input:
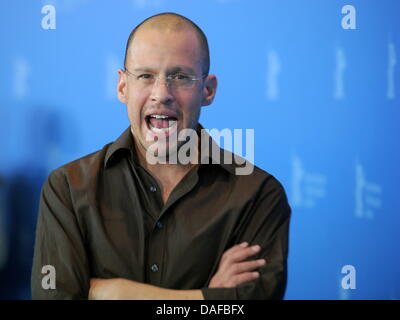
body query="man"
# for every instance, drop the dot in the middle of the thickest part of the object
(115, 226)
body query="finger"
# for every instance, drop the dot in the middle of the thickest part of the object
(233, 249)
(239, 255)
(244, 253)
(245, 277)
(236, 248)
(247, 266)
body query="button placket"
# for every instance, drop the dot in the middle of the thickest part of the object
(154, 267)
(155, 259)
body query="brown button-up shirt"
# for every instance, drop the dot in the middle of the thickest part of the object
(103, 216)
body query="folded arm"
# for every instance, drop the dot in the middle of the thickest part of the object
(232, 271)
(235, 277)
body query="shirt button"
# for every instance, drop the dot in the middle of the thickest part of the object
(154, 268)
(153, 189)
(159, 225)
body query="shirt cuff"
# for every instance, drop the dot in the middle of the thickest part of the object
(219, 293)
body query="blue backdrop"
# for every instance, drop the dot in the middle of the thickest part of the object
(319, 86)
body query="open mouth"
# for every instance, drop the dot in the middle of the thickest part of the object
(159, 123)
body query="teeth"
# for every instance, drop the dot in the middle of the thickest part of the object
(171, 122)
(159, 116)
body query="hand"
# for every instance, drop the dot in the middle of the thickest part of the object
(232, 271)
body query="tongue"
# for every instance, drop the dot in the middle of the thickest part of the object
(160, 123)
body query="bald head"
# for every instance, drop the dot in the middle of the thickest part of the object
(172, 22)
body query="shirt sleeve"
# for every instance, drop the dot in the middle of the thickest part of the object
(59, 243)
(267, 224)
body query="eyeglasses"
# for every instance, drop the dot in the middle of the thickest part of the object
(176, 80)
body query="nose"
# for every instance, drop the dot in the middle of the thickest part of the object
(161, 91)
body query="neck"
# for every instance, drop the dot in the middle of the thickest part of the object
(167, 175)
(164, 171)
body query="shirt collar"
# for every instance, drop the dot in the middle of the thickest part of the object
(125, 142)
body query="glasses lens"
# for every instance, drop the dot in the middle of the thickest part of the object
(181, 81)
(174, 81)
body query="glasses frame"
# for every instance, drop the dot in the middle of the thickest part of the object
(168, 79)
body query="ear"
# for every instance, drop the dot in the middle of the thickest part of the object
(209, 90)
(122, 87)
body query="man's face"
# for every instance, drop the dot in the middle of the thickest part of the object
(155, 53)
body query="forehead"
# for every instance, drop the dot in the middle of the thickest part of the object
(159, 48)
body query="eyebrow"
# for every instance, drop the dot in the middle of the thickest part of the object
(170, 70)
